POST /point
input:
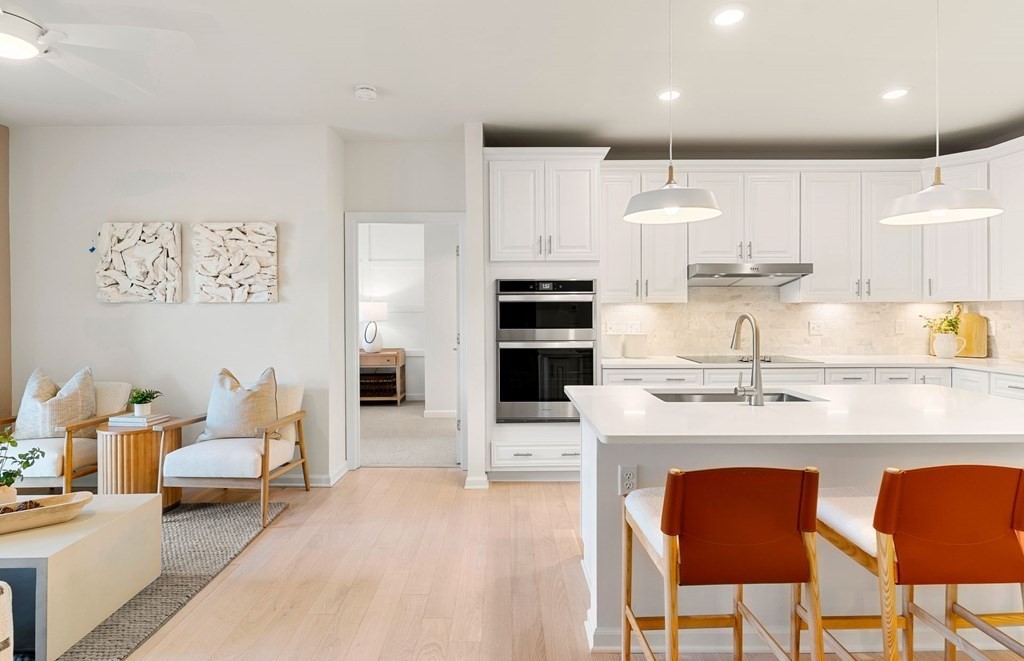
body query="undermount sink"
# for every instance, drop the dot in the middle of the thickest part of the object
(705, 397)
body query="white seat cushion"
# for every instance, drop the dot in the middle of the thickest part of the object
(850, 511)
(226, 457)
(52, 463)
(645, 505)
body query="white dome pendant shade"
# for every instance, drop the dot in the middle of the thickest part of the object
(940, 203)
(672, 204)
(18, 37)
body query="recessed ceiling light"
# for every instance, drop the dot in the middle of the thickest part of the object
(668, 95)
(894, 94)
(728, 15)
(366, 92)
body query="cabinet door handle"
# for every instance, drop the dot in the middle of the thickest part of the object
(852, 378)
(899, 378)
(549, 244)
(924, 379)
(750, 250)
(677, 378)
(570, 454)
(739, 251)
(638, 289)
(647, 288)
(540, 245)
(632, 378)
(522, 454)
(869, 286)
(929, 286)
(858, 287)
(1009, 385)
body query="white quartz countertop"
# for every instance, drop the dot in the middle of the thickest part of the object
(844, 414)
(998, 365)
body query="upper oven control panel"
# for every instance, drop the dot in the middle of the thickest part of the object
(546, 287)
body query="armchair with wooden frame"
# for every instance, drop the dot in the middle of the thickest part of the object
(71, 456)
(240, 463)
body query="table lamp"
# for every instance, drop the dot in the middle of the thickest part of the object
(371, 312)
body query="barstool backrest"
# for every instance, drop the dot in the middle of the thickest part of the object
(741, 525)
(954, 524)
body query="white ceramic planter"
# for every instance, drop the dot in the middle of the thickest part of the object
(143, 409)
(948, 345)
(8, 495)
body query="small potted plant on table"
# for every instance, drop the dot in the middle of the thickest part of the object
(945, 341)
(142, 400)
(13, 465)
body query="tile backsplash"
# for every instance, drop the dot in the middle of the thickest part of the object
(704, 324)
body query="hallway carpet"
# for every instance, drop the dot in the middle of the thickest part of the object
(400, 436)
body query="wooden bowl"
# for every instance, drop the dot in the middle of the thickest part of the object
(55, 509)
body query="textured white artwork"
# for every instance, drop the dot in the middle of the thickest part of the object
(235, 262)
(139, 262)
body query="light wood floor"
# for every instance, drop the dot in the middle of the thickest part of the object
(398, 563)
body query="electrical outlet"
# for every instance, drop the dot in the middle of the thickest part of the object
(627, 479)
(900, 327)
(815, 328)
(634, 327)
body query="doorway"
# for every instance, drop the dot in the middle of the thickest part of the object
(404, 320)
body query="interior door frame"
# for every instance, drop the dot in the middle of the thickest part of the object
(353, 219)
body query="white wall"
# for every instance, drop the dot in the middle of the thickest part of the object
(6, 404)
(66, 181)
(441, 320)
(404, 176)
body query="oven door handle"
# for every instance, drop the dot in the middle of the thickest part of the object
(559, 344)
(550, 298)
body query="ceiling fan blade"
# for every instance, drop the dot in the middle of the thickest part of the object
(97, 76)
(121, 37)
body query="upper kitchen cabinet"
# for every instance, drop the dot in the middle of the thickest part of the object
(829, 238)
(543, 203)
(639, 263)
(1006, 231)
(760, 219)
(891, 271)
(956, 254)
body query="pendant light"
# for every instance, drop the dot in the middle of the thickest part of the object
(671, 203)
(940, 203)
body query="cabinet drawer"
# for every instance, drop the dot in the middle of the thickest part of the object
(934, 376)
(1007, 385)
(771, 377)
(652, 376)
(971, 380)
(526, 455)
(895, 375)
(378, 359)
(849, 376)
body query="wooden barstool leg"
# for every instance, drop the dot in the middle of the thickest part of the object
(671, 573)
(951, 592)
(908, 630)
(737, 627)
(627, 583)
(814, 600)
(887, 595)
(794, 623)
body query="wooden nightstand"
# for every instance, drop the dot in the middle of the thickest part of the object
(382, 376)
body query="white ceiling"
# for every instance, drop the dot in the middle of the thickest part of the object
(797, 76)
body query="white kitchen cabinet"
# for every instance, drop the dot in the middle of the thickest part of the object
(760, 219)
(891, 256)
(528, 456)
(829, 237)
(543, 204)
(773, 376)
(956, 254)
(652, 376)
(895, 375)
(771, 217)
(934, 376)
(1006, 231)
(849, 376)
(1008, 385)
(972, 380)
(639, 263)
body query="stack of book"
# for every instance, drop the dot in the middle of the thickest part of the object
(131, 420)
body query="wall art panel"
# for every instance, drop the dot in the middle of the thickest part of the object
(139, 263)
(235, 262)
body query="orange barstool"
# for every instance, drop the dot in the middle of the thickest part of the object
(728, 526)
(945, 525)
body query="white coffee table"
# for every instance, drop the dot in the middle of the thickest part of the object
(83, 570)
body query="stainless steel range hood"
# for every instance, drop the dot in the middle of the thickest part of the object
(746, 275)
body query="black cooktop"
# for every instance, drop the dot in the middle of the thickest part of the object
(774, 359)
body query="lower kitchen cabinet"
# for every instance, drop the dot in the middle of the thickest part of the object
(1007, 385)
(971, 380)
(772, 377)
(529, 456)
(849, 376)
(658, 376)
(934, 376)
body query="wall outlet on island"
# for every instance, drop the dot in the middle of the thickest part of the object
(815, 328)
(627, 479)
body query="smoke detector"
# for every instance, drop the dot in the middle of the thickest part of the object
(366, 92)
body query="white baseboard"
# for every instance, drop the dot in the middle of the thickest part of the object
(415, 397)
(476, 482)
(294, 479)
(438, 413)
(533, 476)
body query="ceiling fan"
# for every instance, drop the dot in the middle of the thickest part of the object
(23, 37)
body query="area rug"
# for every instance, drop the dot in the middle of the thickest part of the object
(199, 540)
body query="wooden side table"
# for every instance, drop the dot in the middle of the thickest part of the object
(128, 460)
(382, 376)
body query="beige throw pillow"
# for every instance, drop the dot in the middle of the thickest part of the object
(45, 407)
(236, 411)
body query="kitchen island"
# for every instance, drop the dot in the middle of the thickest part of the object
(851, 434)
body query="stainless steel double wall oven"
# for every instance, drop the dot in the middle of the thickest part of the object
(546, 335)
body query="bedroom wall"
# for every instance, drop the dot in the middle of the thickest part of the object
(66, 181)
(5, 277)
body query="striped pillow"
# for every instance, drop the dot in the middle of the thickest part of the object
(6, 623)
(236, 411)
(44, 407)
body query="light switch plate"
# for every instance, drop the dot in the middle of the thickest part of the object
(634, 327)
(815, 328)
(900, 327)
